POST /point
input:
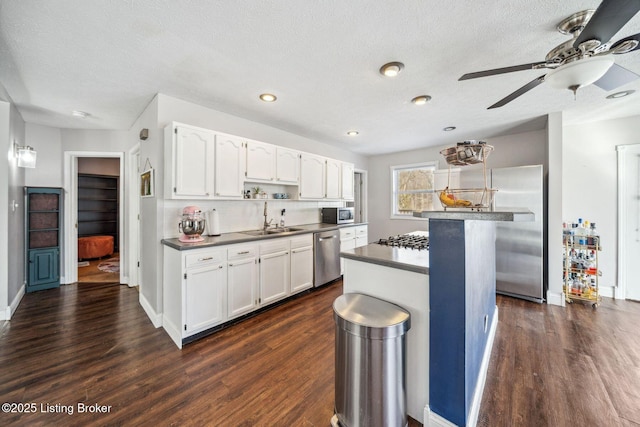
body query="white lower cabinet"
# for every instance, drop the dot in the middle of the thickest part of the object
(347, 241)
(301, 263)
(204, 291)
(194, 291)
(203, 288)
(274, 270)
(242, 279)
(362, 235)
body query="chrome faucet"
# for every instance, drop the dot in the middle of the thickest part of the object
(266, 224)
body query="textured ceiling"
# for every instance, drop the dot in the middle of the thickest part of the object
(321, 58)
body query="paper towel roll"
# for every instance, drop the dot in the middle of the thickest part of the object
(213, 223)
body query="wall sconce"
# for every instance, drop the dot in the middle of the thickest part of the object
(144, 134)
(26, 156)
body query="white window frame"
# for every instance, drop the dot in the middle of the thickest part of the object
(394, 190)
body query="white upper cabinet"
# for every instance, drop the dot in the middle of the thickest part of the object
(261, 161)
(312, 176)
(347, 181)
(229, 166)
(189, 154)
(333, 171)
(287, 166)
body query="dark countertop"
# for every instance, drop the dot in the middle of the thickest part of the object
(238, 237)
(507, 214)
(389, 256)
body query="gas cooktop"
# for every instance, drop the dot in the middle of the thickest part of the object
(415, 240)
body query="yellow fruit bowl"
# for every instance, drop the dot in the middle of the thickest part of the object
(468, 198)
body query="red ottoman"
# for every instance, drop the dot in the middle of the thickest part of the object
(94, 247)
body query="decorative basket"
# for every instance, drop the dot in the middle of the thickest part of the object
(469, 198)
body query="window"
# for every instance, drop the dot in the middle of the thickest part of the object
(412, 188)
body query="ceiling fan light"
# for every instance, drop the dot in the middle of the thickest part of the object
(579, 73)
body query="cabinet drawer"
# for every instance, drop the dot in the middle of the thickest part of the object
(361, 230)
(302, 241)
(241, 252)
(204, 258)
(347, 233)
(273, 246)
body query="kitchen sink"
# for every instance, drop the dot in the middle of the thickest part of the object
(271, 231)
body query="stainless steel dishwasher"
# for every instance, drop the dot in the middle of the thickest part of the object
(326, 257)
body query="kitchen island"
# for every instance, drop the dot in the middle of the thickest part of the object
(449, 291)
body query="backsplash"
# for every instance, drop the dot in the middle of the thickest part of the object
(243, 215)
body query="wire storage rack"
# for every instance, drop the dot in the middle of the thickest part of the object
(475, 199)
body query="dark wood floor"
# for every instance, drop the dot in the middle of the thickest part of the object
(94, 345)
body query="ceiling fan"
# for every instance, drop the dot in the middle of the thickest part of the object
(585, 59)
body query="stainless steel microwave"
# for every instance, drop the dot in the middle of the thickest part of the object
(337, 215)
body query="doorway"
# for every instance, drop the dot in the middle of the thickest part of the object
(71, 231)
(98, 226)
(628, 221)
(360, 195)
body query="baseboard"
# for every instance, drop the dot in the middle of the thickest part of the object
(431, 419)
(7, 312)
(173, 331)
(434, 420)
(155, 318)
(606, 291)
(555, 298)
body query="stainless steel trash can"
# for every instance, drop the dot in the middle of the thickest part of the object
(370, 382)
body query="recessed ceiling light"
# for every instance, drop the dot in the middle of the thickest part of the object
(353, 133)
(421, 100)
(391, 69)
(80, 114)
(620, 94)
(268, 97)
(449, 128)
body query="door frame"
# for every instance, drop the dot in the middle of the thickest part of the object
(70, 240)
(624, 193)
(362, 202)
(133, 210)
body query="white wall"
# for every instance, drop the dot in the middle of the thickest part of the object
(512, 150)
(48, 144)
(589, 181)
(12, 181)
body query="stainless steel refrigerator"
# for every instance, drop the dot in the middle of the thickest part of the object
(519, 245)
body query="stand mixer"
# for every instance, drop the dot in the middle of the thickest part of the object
(192, 225)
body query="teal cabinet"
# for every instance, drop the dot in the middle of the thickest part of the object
(43, 235)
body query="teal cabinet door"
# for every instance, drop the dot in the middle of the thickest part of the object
(44, 271)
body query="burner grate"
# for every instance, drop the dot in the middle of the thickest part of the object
(410, 241)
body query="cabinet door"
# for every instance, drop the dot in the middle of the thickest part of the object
(274, 277)
(194, 152)
(261, 161)
(362, 235)
(312, 176)
(43, 269)
(205, 303)
(346, 244)
(301, 269)
(287, 166)
(242, 286)
(230, 166)
(333, 171)
(347, 181)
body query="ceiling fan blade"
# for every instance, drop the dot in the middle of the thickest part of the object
(616, 77)
(517, 93)
(504, 70)
(635, 37)
(607, 20)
